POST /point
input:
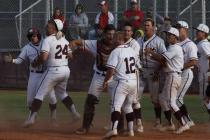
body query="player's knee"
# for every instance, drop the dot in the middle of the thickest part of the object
(91, 99)
(136, 105)
(127, 109)
(62, 96)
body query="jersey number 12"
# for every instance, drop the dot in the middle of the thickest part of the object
(130, 65)
(61, 51)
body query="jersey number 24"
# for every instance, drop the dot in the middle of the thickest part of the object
(61, 51)
(130, 65)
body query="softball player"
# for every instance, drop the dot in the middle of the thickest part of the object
(190, 60)
(173, 60)
(128, 32)
(203, 62)
(149, 66)
(54, 52)
(121, 65)
(28, 53)
(101, 50)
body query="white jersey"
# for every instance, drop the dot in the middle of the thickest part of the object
(203, 54)
(28, 53)
(123, 60)
(135, 46)
(189, 49)
(175, 58)
(57, 50)
(155, 43)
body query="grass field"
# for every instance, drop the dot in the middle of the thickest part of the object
(13, 112)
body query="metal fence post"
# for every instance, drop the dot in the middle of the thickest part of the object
(20, 22)
(116, 12)
(204, 11)
(166, 8)
(154, 11)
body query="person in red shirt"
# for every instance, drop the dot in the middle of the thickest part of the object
(134, 15)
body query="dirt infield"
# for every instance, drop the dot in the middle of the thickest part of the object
(65, 131)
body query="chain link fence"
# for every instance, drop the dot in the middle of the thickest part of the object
(13, 30)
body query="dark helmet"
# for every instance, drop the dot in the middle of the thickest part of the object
(33, 31)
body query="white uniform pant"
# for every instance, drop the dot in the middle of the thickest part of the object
(153, 85)
(33, 82)
(203, 83)
(168, 96)
(53, 78)
(122, 94)
(139, 92)
(96, 86)
(187, 77)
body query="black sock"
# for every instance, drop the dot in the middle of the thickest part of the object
(115, 117)
(184, 112)
(130, 117)
(157, 112)
(68, 102)
(120, 125)
(168, 116)
(208, 111)
(178, 116)
(36, 105)
(52, 107)
(137, 113)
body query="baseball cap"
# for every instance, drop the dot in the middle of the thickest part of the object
(182, 24)
(59, 24)
(173, 31)
(102, 3)
(134, 1)
(202, 27)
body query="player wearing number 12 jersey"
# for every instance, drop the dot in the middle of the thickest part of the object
(55, 53)
(122, 66)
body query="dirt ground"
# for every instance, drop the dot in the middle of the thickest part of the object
(42, 130)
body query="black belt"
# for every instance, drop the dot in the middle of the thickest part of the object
(36, 71)
(102, 74)
(174, 72)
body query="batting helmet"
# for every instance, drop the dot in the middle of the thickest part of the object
(33, 31)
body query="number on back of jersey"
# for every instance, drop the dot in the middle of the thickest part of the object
(130, 65)
(60, 52)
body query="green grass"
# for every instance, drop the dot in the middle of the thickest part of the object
(13, 106)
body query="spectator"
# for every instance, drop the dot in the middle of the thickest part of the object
(103, 18)
(134, 15)
(78, 23)
(163, 28)
(57, 14)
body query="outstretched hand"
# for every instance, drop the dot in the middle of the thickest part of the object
(7, 58)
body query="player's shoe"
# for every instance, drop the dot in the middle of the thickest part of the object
(139, 126)
(157, 125)
(30, 121)
(182, 129)
(75, 116)
(168, 127)
(128, 133)
(110, 134)
(190, 123)
(81, 131)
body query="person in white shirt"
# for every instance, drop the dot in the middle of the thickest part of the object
(151, 68)
(131, 42)
(55, 52)
(122, 67)
(203, 45)
(173, 62)
(28, 53)
(190, 60)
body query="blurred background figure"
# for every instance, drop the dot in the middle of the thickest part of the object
(57, 14)
(78, 23)
(103, 18)
(134, 15)
(164, 27)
